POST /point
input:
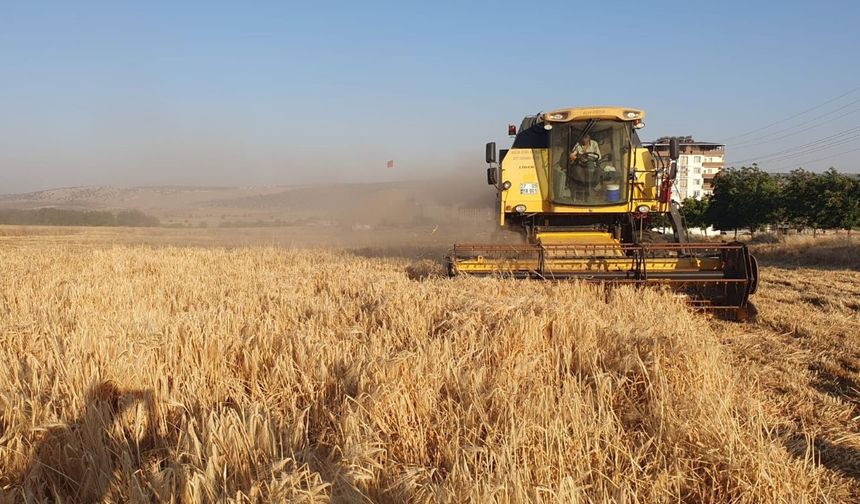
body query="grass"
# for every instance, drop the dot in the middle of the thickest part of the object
(263, 374)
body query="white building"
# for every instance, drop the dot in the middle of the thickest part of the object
(698, 163)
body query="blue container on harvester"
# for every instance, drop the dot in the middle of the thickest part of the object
(613, 192)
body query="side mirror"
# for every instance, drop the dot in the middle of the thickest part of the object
(674, 150)
(492, 176)
(491, 152)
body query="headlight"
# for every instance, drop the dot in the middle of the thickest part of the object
(520, 208)
(643, 209)
(506, 184)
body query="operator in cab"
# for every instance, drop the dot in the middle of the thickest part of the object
(582, 172)
(585, 146)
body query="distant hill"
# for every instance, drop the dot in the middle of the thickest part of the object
(370, 203)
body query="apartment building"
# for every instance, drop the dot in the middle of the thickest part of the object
(698, 164)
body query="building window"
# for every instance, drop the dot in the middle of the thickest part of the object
(697, 159)
(683, 160)
(696, 194)
(697, 171)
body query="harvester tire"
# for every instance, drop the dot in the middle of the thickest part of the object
(753, 274)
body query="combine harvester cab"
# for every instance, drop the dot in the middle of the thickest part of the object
(584, 193)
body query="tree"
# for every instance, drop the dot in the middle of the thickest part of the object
(798, 199)
(68, 217)
(745, 197)
(852, 218)
(694, 212)
(826, 200)
(836, 207)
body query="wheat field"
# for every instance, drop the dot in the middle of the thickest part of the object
(138, 373)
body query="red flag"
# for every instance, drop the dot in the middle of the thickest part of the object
(391, 163)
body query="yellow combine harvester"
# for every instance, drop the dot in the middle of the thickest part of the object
(584, 193)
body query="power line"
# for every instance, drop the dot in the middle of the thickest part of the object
(792, 116)
(806, 148)
(809, 151)
(800, 153)
(820, 159)
(815, 145)
(755, 141)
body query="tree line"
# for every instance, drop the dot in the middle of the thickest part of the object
(750, 198)
(67, 217)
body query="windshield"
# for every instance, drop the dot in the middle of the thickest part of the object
(588, 162)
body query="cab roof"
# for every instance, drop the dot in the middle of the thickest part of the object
(581, 113)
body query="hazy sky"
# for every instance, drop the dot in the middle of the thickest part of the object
(251, 93)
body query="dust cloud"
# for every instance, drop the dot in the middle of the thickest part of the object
(403, 218)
